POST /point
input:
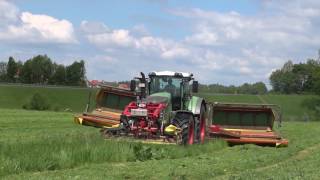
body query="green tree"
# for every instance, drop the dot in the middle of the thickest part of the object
(11, 70)
(59, 75)
(259, 88)
(287, 67)
(41, 69)
(75, 74)
(275, 80)
(285, 80)
(296, 78)
(26, 72)
(19, 70)
(316, 80)
(245, 89)
(3, 71)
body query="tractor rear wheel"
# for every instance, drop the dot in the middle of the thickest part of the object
(185, 122)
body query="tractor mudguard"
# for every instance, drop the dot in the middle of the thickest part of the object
(195, 104)
(182, 112)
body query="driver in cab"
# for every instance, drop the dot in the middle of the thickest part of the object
(170, 87)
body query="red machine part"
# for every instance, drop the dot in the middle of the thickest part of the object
(145, 124)
(244, 136)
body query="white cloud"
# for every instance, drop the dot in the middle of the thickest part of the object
(106, 59)
(247, 47)
(203, 38)
(245, 70)
(118, 40)
(224, 47)
(8, 12)
(140, 30)
(175, 52)
(264, 29)
(27, 27)
(93, 27)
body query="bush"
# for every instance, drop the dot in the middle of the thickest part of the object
(37, 102)
(313, 105)
(56, 108)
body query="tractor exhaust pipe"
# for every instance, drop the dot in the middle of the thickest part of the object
(143, 81)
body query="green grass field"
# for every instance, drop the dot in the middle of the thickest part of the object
(292, 106)
(61, 98)
(48, 145)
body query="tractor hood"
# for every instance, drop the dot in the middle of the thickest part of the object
(161, 97)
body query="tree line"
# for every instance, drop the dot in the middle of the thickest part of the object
(246, 88)
(42, 70)
(297, 78)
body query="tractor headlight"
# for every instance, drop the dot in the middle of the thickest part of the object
(142, 105)
(131, 122)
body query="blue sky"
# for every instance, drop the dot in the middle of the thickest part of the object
(128, 13)
(226, 42)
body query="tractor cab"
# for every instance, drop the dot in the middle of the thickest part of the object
(171, 86)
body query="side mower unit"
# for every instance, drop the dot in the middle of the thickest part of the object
(245, 123)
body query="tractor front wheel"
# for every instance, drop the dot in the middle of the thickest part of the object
(185, 122)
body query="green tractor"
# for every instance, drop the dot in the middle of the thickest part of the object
(160, 108)
(164, 109)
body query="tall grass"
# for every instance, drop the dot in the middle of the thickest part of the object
(58, 152)
(54, 152)
(62, 153)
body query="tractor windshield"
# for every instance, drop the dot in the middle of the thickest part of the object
(165, 84)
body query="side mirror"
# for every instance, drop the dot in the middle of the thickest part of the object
(195, 86)
(132, 85)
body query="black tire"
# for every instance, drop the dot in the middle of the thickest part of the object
(200, 137)
(185, 122)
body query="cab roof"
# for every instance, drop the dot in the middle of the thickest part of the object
(171, 73)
